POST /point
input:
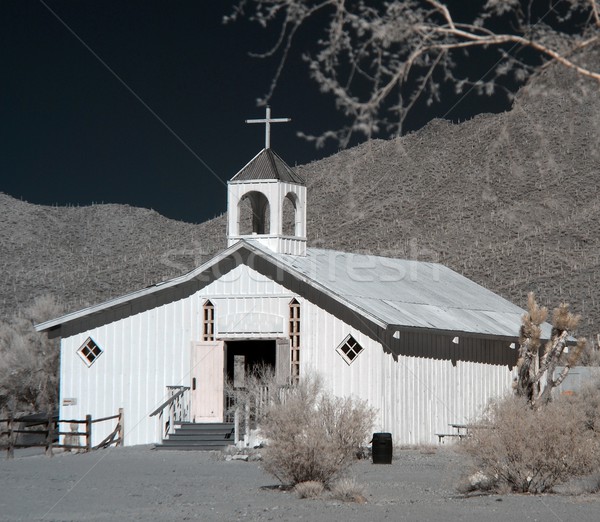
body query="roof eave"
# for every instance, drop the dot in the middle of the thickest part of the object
(246, 166)
(453, 333)
(131, 296)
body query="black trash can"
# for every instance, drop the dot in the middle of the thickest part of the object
(382, 448)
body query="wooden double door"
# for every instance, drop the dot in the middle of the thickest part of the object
(212, 363)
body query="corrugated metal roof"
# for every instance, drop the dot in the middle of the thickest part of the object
(393, 293)
(267, 165)
(410, 294)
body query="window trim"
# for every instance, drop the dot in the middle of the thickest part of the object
(89, 362)
(294, 334)
(208, 321)
(352, 344)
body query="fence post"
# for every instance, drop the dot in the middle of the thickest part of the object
(171, 418)
(10, 449)
(121, 428)
(49, 435)
(247, 424)
(88, 433)
(236, 425)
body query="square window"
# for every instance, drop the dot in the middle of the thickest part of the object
(349, 349)
(89, 351)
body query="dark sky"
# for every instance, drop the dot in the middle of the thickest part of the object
(72, 133)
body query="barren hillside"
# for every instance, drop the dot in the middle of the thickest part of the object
(87, 254)
(509, 200)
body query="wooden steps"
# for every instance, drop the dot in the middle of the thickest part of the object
(199, 437)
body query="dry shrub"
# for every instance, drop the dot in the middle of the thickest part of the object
(531, 450)
(348, 490)
(591, 355)
(587, 400)
(252, 399)
(313, 436)
(309, 489)
(29, 361)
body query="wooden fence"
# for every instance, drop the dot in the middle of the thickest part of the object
(49, 434)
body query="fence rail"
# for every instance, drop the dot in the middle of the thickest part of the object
(10, 428)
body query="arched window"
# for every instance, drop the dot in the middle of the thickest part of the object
(289, 215)
(295, 339)
(253, 214)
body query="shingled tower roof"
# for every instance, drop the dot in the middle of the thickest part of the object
(267, 165)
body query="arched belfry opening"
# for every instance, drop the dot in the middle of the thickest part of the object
(267, 201)
(254, 214)
(289, 219)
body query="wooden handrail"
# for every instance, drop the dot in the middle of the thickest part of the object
(105, 419)
(170, 400)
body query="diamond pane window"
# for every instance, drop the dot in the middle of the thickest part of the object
(349, 349)
(89, 351)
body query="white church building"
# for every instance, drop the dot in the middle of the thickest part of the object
(425, 346)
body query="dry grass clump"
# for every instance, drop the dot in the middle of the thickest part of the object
(531, 450)
(309, 489)
(348, 490)
(423, 448)
(313, 436)
(588, 485)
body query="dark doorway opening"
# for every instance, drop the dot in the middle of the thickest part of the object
(255, 353)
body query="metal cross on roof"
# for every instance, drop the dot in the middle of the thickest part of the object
(267, 120)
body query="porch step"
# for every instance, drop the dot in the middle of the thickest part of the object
(195, 436)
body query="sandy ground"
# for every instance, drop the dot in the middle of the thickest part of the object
(143, 484)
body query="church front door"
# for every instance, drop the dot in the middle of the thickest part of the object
(208, 374)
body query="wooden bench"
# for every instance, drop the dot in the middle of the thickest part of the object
(460, 431)
(441, 436)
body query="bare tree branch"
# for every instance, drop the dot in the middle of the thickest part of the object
(364, 54)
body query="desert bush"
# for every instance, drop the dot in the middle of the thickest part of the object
(591, 355)
(348, 490)
(313, 436)
(259, 390)
(309, 489)
(533, 449)
(587, 400)
(29, 360)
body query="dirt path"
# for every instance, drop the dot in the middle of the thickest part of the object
(142, 484)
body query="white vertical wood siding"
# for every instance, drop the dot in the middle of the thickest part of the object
(145, 353)
(415, 397)
(142, 354)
